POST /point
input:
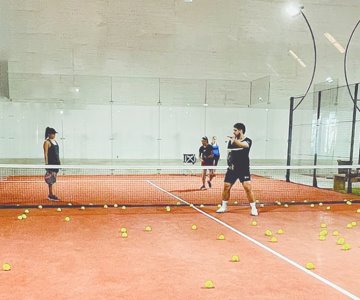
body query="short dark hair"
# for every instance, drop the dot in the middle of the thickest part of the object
(205, 138)
(240, 126)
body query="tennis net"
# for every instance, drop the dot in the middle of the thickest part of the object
(24, 185)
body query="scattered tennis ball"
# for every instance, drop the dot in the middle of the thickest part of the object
(168, 208)
(124, 235)
(202, 205)
(353, 223)
(19, 217)
(40, 207)
(24, 216)
(346, 246)
(279, 203)
(209, 284)
(280, 231)
(70, 204)
(292, 201)
(328, 207)
(323, 225)
(322, 237)
(67, 219)
(286, 205)
(6, 267)
(236, 202)
(349, 226)
(123, 207)
(320, 204)
(58, 209)
(305, 201)
(348, 202)
(235, 258)
(221, 237)
(262, 205)
(91, 204)
(310, 266)
(358, 210)
(312, 205)
(253, 223)
(191, 205)
(324, 232)
(26, 211)
(268, 232)
(105, 206)
(178, 203)
(340, 241)
(219, 205)
(273, 239)
(123, 229)
(82, 207)
(115, 205)
(148, 228)
(193, 227)
(335, 233)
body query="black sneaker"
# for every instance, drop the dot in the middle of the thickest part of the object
(53, 198)
(203, 188)
(209, 183)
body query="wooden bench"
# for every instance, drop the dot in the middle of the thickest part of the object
(345, 175)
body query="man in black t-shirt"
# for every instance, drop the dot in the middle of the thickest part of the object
(238, 168)
(206, 155)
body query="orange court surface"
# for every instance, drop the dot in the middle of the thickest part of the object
(86, 256)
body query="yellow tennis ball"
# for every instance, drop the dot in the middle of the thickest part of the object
(348, 202)
(324, 232)
(335, 233)
(202, 205)
(235, 258)
(124, 235)
(70, 204)
(40, 207)
(273, 239)
(123, 229)
(123, 207)
(286, 205)
(58, 209)
(358, 210)
(115, 205)
(67, 219)
(322, 237)
(320, 204)
(6, 267)
(167, 208)
(353, 223)
(219, 205)
(262, 205)
(268, 232)
(19, 217)
(178, 203)
(340, 241)
(323, 225)
(305, 201)
(312, 205)
(349, 226)
(148, 228)
(193, 227)
(236, 202)
(346, 246)
(221, 237)
(82, 207)
(209, 284)
(253, 223)
(328, 207)
(24, 216)
(280, 231)
(310, 266)
(26, 211)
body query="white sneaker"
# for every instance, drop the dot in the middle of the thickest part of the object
(222, 209)
(254, 212)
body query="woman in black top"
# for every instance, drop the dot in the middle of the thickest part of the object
(51, 155)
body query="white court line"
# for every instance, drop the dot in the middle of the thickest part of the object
(288, 260)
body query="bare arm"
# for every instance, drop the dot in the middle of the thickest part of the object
(46, 150)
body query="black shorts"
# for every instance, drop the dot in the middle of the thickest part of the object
(216, 159)
(232, 175)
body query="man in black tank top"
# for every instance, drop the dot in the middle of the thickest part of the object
(238, 168)
(51, 156)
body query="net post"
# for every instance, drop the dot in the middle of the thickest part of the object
(291, 116)
(316, 138)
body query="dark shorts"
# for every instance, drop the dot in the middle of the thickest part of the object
(232, 175)
(207, 162)
(216, 159)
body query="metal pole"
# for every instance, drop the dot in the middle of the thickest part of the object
(316, 138)
(291, 115)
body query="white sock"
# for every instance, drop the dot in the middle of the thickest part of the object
(224, 204)
(253, 205)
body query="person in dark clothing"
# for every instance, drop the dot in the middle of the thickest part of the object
(238, 168)
(51, 156)
(206, 156)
